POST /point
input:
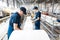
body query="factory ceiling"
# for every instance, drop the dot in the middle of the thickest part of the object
(39, 1)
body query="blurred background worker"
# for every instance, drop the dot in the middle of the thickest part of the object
(37, 18)
(15, 21)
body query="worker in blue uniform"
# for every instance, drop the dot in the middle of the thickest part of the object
(37, 18)
(15, 23)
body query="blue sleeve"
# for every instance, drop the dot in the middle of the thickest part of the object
(38, 15)
(15, 20)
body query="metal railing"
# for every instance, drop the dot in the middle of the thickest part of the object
(50, 33)
(5, 33)
(2, 19)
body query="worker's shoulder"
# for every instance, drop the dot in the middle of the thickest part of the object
(39, 12)
(15, 14)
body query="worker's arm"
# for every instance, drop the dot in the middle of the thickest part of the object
(15, 22)
(37, 19)
(15, 26)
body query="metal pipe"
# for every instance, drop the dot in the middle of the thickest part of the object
(52, 6)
